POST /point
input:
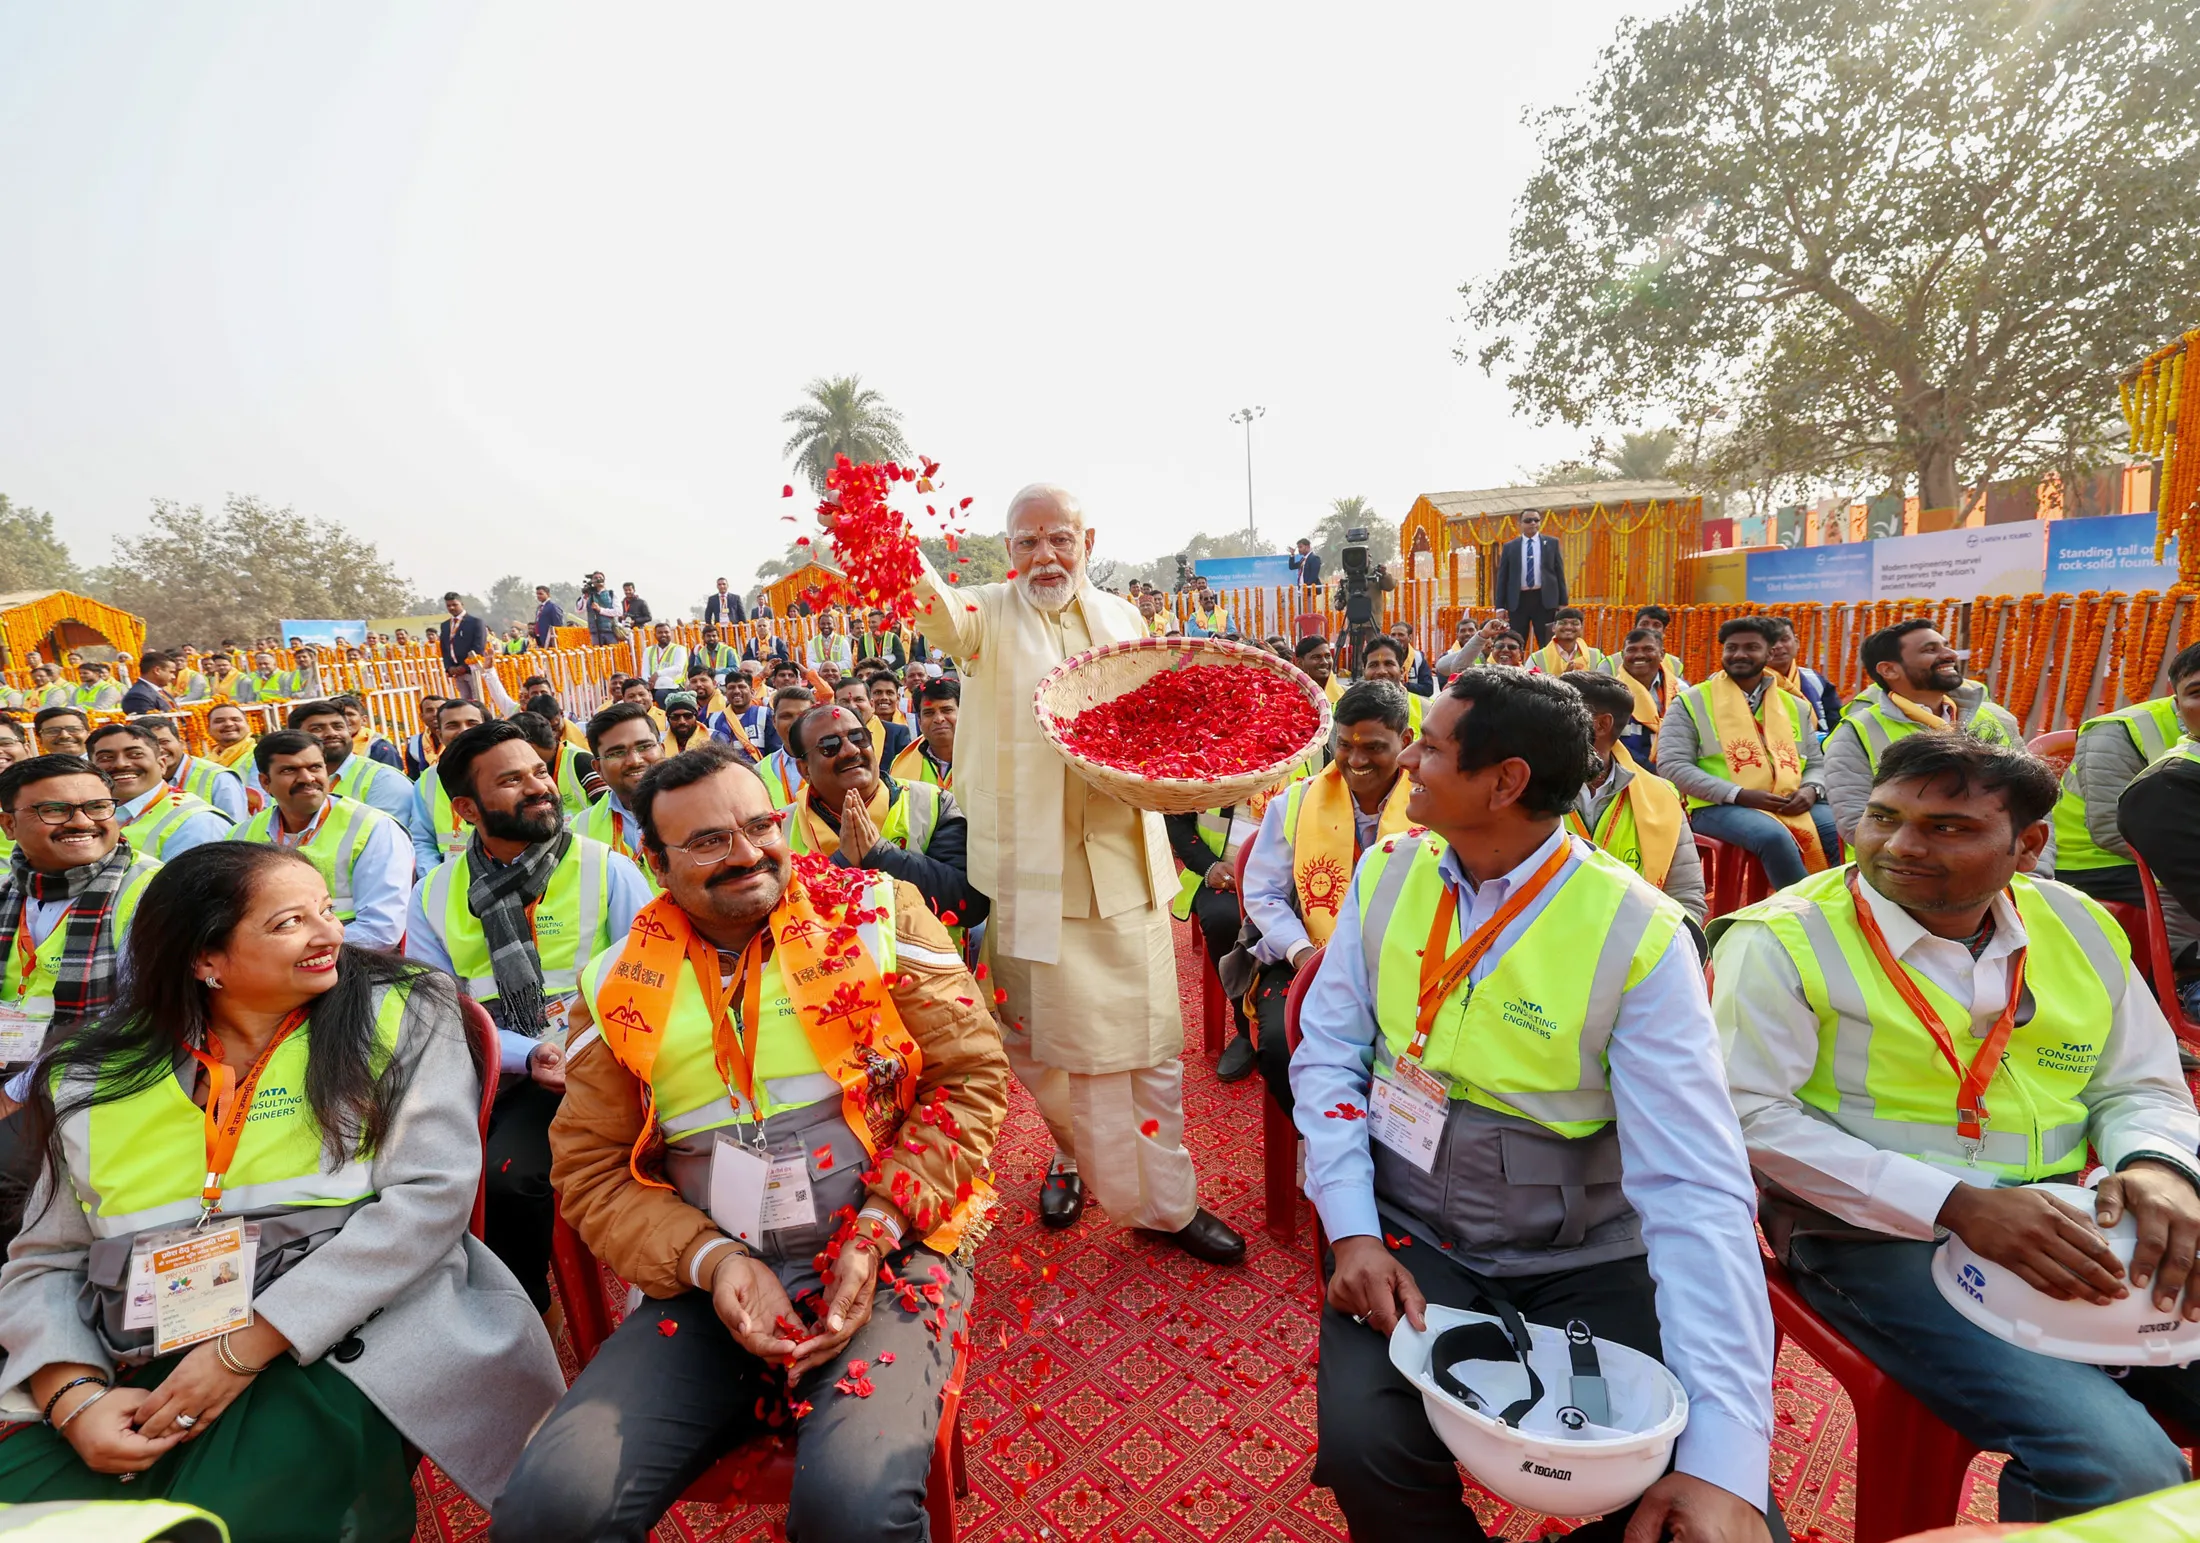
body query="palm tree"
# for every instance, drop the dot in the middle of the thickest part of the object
(1353, 513)
(842, 418)
(1644, 457)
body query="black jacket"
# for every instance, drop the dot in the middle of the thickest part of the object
(1512, 567)
(2159, 816)
(1183, 830)
(1308, 568)
(461, 637)
(719, 609)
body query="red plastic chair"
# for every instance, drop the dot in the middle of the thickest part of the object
(1733, 877)
(759, 1472)
(1291, 1002)
(1909, 1467)
(487, 1056)
(2056, 748)
(2160, 967)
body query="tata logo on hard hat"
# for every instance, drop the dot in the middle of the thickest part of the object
(1973, 1281)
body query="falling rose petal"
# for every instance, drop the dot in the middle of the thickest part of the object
(1150, 1128)
(787, 491)
(886, 1358)
(1010, 574)
(667, 1327)
(802, 541)
(824, 1158)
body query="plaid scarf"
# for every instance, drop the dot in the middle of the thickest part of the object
(84, 981)
(501, 899)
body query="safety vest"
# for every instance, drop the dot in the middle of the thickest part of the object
(572, 920)
(913, 765)
(339, 834)
(114, 1521)
(656, 660)
(1710, 756)
(1619, 833)
(2155, 729)
(102, 695)
(782, 776)
(55, 695)
(1214, 832)
(160, 819)
(911, 819)
(268, 688)
(1880, 1077)
(451, 833)
(617, 829)
(359, 776)
(39, 985)
(719, 656)
(1532, 1038)
(140, 1161)
(201, 776)
(571, 793)
(1878, 723)
(691, 1097)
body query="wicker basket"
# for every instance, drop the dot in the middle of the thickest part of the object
(1101, 674)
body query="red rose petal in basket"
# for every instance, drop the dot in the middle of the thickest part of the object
(1201, 723)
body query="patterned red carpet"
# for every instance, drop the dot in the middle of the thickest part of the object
(1123, 1392)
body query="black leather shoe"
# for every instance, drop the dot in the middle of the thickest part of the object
(1061, 1200)
(1236, 1062)
(1207, 1236)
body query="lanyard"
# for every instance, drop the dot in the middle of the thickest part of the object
(1971, 1116)
(27, 950)
(1441, 976)
(313, 827)
(734, 1055)
(152, 804)
(228, 1104)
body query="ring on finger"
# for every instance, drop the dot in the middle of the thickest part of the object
(186, 1421)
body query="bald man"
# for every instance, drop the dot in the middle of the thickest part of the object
(1079, 938)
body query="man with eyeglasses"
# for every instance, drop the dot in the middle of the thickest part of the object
(514, 915)
(849, 813)
(61, 730)
(161, 822)
(757, 1171)
(625, 745)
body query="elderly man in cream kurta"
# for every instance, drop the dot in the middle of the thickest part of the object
(1079, 937)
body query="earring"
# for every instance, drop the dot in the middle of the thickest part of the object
(213, 983)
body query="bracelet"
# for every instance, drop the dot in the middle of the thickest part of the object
(80, 1408)
(73, 1382)
(228, 1358)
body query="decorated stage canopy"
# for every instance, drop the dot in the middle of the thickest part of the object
(1623, 540)
(783, 593)
(53, 621)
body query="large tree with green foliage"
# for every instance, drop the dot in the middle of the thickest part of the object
(1889, 238)
(198, 577)
(32, 555)
(841, 417)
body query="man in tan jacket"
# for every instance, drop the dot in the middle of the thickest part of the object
(780, 1099)
(1079, 938)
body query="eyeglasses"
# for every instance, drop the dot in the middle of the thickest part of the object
(621, 752)
(715, 846)
(98, 810)
(830, 744)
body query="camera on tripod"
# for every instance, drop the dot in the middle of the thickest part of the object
(1359, 605)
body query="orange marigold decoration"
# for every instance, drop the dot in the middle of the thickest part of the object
(1985, 627)
(2117, 614)
(2088, 617)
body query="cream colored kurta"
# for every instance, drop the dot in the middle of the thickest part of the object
(1080, 883)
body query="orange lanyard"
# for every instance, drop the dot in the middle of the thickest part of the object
(1441, 976)
(27, 950)
(229, 1104)
(163, 796)
(314, 828)
(1971, 1114)
(734, 1055)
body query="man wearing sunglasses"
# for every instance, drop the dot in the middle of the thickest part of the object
(859, 819)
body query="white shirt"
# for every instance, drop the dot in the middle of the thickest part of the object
(2137, 1098)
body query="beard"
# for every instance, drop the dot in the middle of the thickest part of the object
(529, 822)
(1052, 588)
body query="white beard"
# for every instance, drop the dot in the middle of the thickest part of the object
(1056, 596)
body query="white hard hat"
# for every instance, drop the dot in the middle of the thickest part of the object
(2129, 1332)
(1579, 1427)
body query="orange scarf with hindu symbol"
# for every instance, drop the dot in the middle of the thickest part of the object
(1325, 845)
(839, 998)
(1761, 755)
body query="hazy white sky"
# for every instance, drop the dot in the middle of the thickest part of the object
(527, 287)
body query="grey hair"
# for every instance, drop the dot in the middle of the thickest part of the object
(1049, 493)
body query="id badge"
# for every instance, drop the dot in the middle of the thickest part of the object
(1406, 1111)
(737, 1181)
(787, 1199)
(201, 1280)
(23, 1028)
(556, 1025)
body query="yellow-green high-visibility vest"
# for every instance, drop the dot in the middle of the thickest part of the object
(105, 694)
(38, 989)
(2155, 729)
(140, 1161)
(782, 778)
(691, 1097)
(911, 819)
(1877, 723)
(1710, 756)
(1880, 1077)
(55, 695)
(158, 821)
(200, 776)
(1214, 831)
(332, 848)
(617, 829)
(1531, 1038)
(571, 792)
(451, 833)
(572, 920)
(112, 1521)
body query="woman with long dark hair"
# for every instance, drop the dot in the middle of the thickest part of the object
(244, 1280)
